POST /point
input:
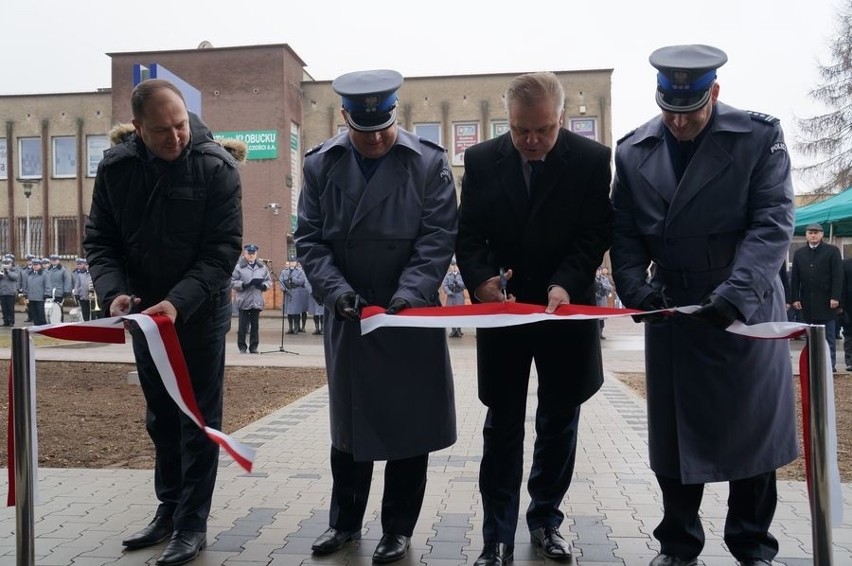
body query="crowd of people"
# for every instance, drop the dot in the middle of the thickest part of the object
(49, 291)
(698, 212)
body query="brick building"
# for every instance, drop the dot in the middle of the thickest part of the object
(51, 143)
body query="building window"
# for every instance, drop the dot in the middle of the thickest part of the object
(586, 127)
(430, 131)
(3, 155)
(64, 157)
(4, 235)
(65, 236)
(95, 148)
(465, 134)
(499, 127)
(33, 245)
(29, 158)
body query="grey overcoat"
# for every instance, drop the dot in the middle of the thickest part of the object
(391, 391)
(720, 406)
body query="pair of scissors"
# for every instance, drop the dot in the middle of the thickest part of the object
(503, 282)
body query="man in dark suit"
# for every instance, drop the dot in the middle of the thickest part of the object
(535, 221)
(844, 318)
(816, 284)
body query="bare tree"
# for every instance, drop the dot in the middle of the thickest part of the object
(828, 137)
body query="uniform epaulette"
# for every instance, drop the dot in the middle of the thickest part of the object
(313, 149)
(761, 117)
(433, 144)
(625, 136)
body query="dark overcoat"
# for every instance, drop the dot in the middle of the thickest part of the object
(558, 237)
(816, 278)
(720, 406)
(390, 391)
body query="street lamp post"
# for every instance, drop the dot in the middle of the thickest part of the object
(28, 191)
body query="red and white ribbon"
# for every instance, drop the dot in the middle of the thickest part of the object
(497, 315)
(168, 358)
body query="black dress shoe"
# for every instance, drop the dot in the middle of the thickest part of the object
(183, 547)
(333, 540)
(552, 544)
(495, 554)
(390, 548)
(157, 531)
(669, 560)
(755, 562)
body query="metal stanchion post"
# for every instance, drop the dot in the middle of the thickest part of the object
(819, 485)
(24, 473)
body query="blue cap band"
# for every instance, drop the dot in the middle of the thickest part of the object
(698, 86)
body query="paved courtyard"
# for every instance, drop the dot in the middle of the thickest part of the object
(271, 516)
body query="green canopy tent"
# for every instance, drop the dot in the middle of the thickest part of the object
(835, 215)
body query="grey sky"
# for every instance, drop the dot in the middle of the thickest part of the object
(773, 46)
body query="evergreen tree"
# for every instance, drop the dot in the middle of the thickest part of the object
(828, 137)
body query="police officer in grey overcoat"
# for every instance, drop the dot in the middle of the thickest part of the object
(377, 222)
(703, 192)
(453, 286)
(294, 284)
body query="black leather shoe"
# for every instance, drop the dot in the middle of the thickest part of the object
(755, 562)
(157, 531)
(183, 547)
(551, 542)
(390, 548)
(668, 560)
(333, 540)
(495, 554)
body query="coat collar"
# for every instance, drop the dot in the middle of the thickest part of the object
(710, 161)
(513, 183)
(346, 174)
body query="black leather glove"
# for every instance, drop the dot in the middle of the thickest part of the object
(654, 301)
(396, 305)
(258, 283)
(717, 310)
(348, 306)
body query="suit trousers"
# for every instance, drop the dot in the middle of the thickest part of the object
(405, 486)
(751, 507)
(186, 460)
(505, 356)
(248, 324)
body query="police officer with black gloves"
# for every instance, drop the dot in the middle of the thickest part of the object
(703, 194)
(377, 224)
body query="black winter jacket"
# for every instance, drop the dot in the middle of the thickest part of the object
(165, 230)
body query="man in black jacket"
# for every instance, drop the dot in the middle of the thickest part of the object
(534, 223)
(816, 284)
(163, 236)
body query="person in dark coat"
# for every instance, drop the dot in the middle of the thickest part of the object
(163, 236)
(816, 284)
(702, 194)
(535, 215)
(846, 316)
(376, 226)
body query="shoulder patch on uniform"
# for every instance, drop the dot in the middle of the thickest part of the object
(313, 149)
(761, 117)
(433, 144)
(625, 136)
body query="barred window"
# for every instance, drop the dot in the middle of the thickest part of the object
(4, 235)
(30, 243)
(65, 237)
